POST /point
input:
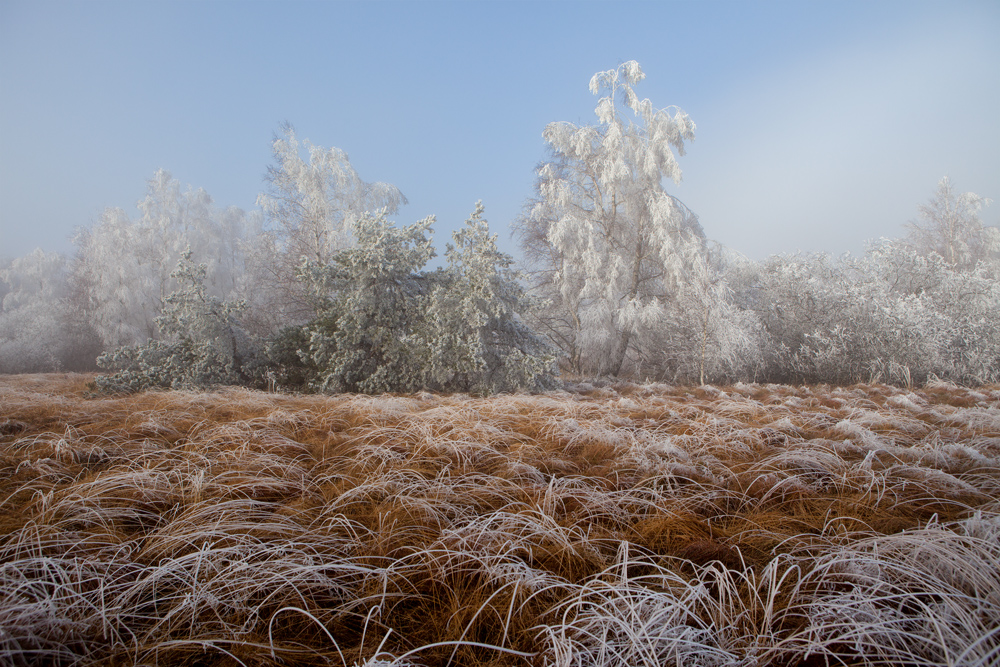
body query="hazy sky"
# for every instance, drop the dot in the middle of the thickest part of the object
(820, 125)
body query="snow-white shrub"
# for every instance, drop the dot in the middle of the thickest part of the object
(793, 297)
(909, 310)
(891, 315)
(953, 313)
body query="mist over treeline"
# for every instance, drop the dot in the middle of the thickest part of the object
(317, 289)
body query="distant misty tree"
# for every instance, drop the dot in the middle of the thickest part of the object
(5, 263)
(201, 344)
(384, 323)
(123, 269)
(311, 207)
(607, 243)
(949, 225)
(705, 336)
(39, 330)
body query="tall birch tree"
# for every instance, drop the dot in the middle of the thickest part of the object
(605, 240)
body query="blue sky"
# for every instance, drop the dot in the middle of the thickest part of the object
(820, 124)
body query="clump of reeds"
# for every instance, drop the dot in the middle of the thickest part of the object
(626, 525)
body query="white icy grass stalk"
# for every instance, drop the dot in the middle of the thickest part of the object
(657, 616)
(930, 596)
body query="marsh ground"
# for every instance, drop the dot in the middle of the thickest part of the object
(601, 525)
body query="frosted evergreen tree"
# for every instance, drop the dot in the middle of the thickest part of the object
(607, 242)
(384, 323)
(202, 343)
(370, 299)
(478, 341)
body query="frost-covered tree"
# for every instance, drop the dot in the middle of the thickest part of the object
(384, 323)
(949, 225)
(605, 240)
(311, 206)
(477, 338)
(202, 343)
(370, 298)
(39, 331)
(123, 268)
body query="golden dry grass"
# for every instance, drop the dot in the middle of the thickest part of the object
(617, 525)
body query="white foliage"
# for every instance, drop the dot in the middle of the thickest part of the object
(311, 206)
(606, 238)
(38, 331)
(705, 335)
(894, 315)
(123, 266)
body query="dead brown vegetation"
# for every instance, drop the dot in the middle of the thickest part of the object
(615, 525)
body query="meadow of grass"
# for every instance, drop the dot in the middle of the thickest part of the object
(611, 525)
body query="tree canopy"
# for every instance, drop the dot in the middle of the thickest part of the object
(319, 290)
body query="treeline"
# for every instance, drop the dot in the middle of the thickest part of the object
(318, 290)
